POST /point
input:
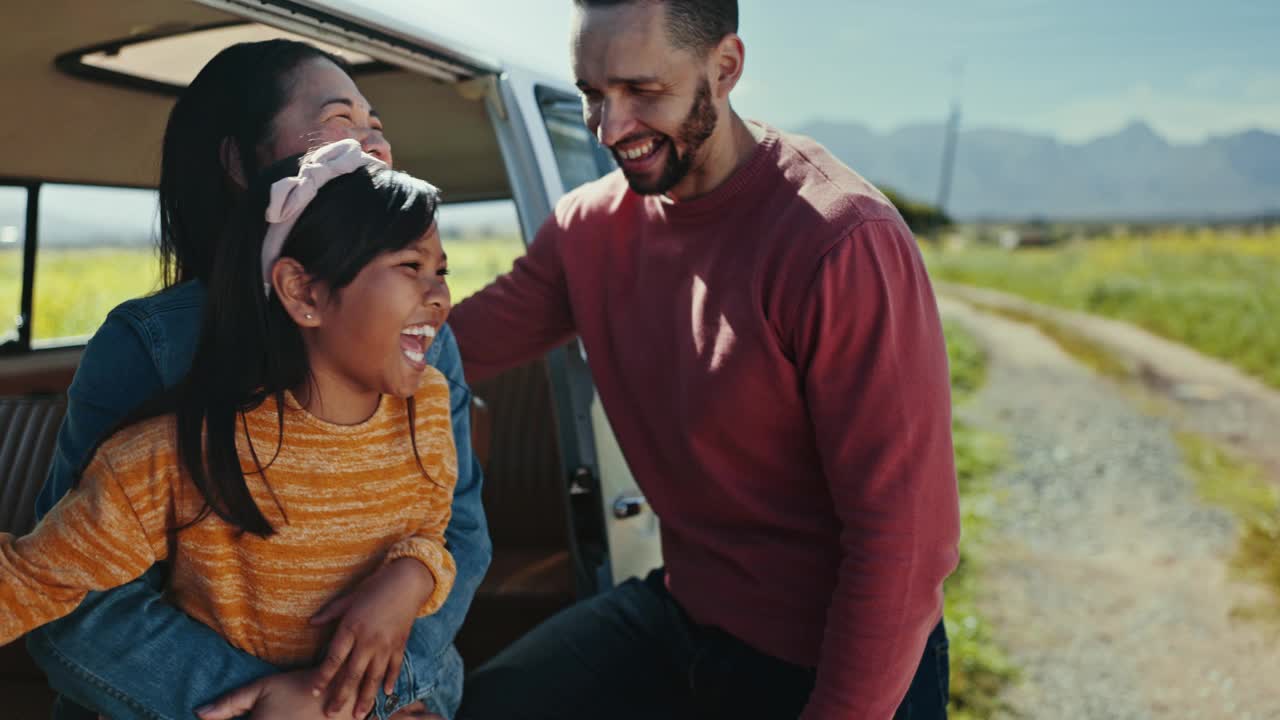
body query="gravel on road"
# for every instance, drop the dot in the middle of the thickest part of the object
(1107, 580)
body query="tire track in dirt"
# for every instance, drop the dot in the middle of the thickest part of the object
(1107, 578)
(1204, 394)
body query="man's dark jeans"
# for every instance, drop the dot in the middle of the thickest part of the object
(633, 653)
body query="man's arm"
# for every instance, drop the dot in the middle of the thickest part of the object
(869, 345)
(129, 654)
(519, 316)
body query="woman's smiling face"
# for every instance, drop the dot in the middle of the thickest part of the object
(374, 334)
(324, 106)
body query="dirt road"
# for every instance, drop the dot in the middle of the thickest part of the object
(1107, 579)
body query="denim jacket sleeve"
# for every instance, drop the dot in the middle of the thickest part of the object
(116, 374)
(129, 654)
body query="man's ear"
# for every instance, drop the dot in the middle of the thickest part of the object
(301, 298)
(728, 61)
(229, 154)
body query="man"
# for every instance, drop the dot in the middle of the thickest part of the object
(766, 344)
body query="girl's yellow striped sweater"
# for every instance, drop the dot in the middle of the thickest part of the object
(350, 498)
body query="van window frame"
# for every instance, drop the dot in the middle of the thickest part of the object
(553, 100)
(71, 62)
(26, 292)
(30, 245)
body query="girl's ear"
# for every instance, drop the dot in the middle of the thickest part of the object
(299, 296)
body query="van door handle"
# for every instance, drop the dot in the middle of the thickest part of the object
(628, 505)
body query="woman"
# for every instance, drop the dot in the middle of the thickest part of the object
(127, 653)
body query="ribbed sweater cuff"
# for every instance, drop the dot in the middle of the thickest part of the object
(438, 561)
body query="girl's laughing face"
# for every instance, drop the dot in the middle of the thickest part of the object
(375, 333)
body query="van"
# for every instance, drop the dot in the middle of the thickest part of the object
(88, 88)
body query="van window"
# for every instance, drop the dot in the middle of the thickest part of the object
(95, 250)
(168, 62)
(579, 158)
(482, 239)
(13, 233)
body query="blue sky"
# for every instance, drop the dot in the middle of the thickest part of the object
(1072, 68)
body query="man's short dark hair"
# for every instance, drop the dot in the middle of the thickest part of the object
(696, 25)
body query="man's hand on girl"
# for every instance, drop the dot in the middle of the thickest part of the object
(367, 648)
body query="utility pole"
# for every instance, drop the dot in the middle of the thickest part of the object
(950, 141)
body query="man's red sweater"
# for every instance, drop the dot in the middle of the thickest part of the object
(771, 360)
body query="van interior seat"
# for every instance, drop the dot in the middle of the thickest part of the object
(28, 431)
(531, 576)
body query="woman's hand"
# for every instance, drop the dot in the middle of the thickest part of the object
(286, 696)
(367, 649)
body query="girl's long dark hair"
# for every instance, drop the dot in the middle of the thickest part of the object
(249, 347)
(236, 97)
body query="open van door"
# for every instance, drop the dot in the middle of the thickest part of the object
(631, 526)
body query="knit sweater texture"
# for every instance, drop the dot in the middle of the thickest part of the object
(343, 500)
(771, 360)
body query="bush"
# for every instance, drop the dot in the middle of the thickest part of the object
(921, 217)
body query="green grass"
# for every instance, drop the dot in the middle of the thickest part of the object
(1087, 351)
(1214, 290)
(1238, 487)
(474, 261)
(979, 668)
(968, 362)
(10, 291)
(75, 289)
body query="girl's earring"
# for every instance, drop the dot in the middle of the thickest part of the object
(309, 316)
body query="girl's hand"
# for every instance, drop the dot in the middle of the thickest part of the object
(368, 647)
(285, 696)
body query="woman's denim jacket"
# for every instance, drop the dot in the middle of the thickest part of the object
(126, 652)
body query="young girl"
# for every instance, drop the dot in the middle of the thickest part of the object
(306, 465)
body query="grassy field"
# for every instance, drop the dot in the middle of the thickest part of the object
(1228, 482)
(1216, 291)
(74, 289)
(979, 670)
(474, 261)
(10, 289)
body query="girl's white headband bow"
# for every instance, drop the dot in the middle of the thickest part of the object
(291, 195)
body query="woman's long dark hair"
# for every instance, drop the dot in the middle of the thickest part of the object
(249, 348)
(235, 97)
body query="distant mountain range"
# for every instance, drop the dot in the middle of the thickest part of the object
(1133, 174)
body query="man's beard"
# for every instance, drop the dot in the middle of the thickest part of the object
(694, 131)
